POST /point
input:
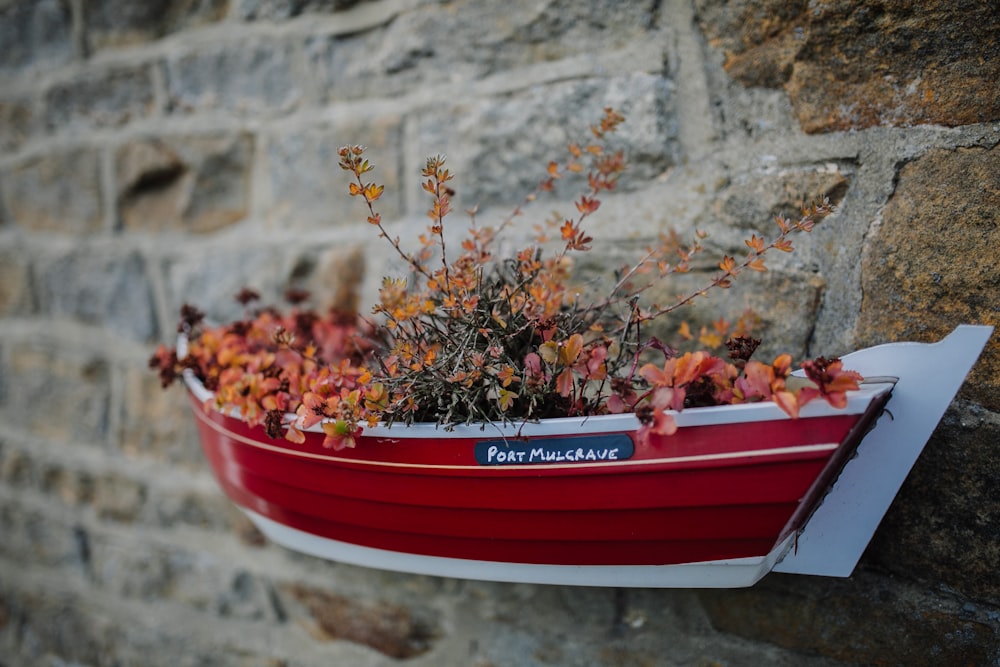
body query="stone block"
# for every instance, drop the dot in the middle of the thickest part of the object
(441, 43)
(48, 630)
(308, 187)
(211, 277)
(15, 281)
(35, 33)
(155, 571)
(394, 630)
(57, 628)
(30, 536)
(238, 77)
(17, 469)
(18, 122)
(184, 183)
(100, 99)
(207, 510)
(279, 10)
(117, 23)
(98, 286)
(57, 192)
(157, 424)
(867, 619)
(73, 487)
(499, 147)
(118, 498)
(751, 202)
(55, 393)
(852, 64)
(784, 303)
(136, 569)
(931, 262)
(944, 523)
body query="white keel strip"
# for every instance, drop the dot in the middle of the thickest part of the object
(734, 573)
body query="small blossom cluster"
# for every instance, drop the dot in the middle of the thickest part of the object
(469, 336)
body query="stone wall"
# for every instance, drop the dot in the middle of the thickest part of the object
(153, 153)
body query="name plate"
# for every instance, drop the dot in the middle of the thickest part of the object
(574, 449)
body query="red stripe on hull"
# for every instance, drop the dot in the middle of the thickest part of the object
(581, 550)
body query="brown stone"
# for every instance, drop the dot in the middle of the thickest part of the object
(932, 262)
(760, 38)
(196, 184)
(391, 629)
(851, 64)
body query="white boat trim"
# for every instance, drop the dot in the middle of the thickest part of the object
(732, 573)
(928, 377)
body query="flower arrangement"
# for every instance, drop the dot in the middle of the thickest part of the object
(468, 336)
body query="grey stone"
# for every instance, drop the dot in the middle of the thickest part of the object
(67, 629)
(134, 570)
(781, 305)
(308, 187)
(448, 43)
(73, 387)
(239, 77)
(210, 510)
(15, 281)
(98, 286)
(18, 122)
(157, 425)
(211, 277)
(116, 23)
(190, 183)
(248, 597)
(499, 147)
(57, 192)
(35, 33)
(277, 10)
(751, 202)
(100, 99)
(29, 537)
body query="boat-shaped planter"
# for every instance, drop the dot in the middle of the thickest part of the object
(737, 492)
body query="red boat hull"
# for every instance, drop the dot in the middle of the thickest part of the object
(719, 489)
